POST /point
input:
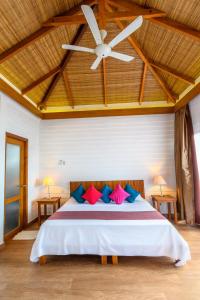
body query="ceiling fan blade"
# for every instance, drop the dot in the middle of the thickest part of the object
(96, 63)
(90, 17)
(127, 31)
(77, 48)
(121, 56)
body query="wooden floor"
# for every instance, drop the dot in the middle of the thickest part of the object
(83, 277)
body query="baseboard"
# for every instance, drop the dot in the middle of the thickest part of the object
(31, 222)
(2, 246)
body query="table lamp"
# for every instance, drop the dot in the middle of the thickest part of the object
(159, 180)
(48, 181)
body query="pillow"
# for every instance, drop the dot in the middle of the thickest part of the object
(92, 195)
(106, 191)
(133, 193)
(78, 193)
(119, 194)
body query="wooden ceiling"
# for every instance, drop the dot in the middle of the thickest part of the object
(55, 83)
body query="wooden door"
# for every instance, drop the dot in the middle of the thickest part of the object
(15, 212)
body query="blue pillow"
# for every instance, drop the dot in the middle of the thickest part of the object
(106, 191)
(78, 193)
(133, 193)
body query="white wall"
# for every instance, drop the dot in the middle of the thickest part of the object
(133, 147)
(195, 113)
(15, 119)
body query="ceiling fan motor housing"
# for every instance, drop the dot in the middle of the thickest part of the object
(103, 50)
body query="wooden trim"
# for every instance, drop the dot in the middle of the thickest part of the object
(137, 9)
(174, 73)
(142, 83)
(8, 90)
(39, 34)
(68, 88)
(63, 64)
(40, 80)
(188, 97)
(108, 113)
(177, 27)
(17, 137)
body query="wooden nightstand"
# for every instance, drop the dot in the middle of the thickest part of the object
(47, 201)
(157, 200)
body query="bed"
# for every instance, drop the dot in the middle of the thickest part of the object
(129, 229)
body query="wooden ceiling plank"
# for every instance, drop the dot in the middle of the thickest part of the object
(174, 73)
(40, 80)
(142, 84)
(63, 64)
(68, 88)
(147, 13)
(8, 90)
(39, 33)
(188, 97)
(177, 27)
(136, 46)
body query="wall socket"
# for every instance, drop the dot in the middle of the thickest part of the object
(61, 163)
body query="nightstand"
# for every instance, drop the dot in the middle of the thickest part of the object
(157, 200)
(47, 201)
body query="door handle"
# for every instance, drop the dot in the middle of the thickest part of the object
(22, 186)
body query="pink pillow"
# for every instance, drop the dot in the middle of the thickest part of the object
(92, 195)
(119, 194)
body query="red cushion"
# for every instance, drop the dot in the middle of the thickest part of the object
(119, 194)
(92, 195)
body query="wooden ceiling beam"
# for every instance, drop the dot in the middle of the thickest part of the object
(108, 113)
(68, 88)
(172, 72)
(138, 10)
(177, 27)
(12, 93)
(173, 97)
(108, 17)
(105, 94)
(161, 20)
(142, 84)
(39, 33)
(40, 80)
(102, 13)
(62, 66)
(188, 97)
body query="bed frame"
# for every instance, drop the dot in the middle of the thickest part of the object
(138, 185)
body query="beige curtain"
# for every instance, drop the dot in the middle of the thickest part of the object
(184, 165)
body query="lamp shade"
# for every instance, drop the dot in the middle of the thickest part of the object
(48, 181)
(159, 180)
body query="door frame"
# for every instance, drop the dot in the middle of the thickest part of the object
(25, 182)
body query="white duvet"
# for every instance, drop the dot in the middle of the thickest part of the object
(110, 237)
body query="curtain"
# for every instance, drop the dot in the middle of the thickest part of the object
(184, 165)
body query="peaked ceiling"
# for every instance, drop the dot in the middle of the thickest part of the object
(50, 81)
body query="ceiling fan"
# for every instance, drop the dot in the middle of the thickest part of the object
(104, 50)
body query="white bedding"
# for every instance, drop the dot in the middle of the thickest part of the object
(110, 237)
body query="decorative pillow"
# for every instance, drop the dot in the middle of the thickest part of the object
(78, 193)
(92, 195)
(119, 194)
(106, 191)
(133, 193)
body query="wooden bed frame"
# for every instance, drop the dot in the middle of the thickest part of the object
(138, 185)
